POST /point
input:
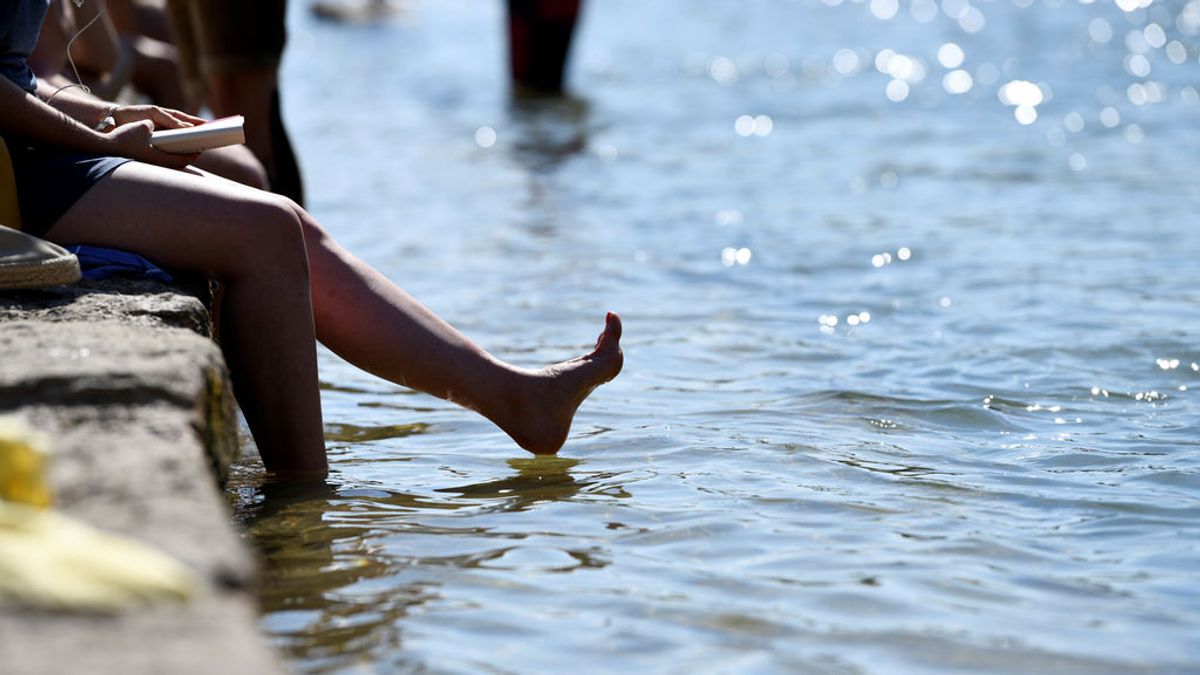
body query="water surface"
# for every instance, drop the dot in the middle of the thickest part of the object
(910, 384)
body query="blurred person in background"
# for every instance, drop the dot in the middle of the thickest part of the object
(539, 42)
(539, 36)
(230, 52)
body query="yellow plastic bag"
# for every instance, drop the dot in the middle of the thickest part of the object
(22, 464)
(51, 561)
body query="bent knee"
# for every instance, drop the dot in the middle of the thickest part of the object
(272, 240)
(314, 232)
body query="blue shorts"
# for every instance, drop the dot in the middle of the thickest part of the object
(50, 180)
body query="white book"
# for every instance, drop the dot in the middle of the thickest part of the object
(215, 134)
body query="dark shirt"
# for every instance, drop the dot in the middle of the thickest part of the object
(20, 23)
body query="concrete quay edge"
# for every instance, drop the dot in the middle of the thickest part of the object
(136, 399)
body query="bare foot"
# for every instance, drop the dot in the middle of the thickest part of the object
(540, 418)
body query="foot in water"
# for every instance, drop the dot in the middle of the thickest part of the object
(539, 416)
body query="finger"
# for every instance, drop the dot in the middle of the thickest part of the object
(184, 117)
(163, 119)
(142, 128)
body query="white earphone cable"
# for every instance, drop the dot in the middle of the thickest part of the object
(78, 80)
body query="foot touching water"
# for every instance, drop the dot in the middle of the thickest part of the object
(539, 418)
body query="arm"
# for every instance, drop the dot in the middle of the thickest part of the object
(68, 124)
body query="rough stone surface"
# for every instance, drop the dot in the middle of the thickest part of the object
(132, 303)
(139, 408)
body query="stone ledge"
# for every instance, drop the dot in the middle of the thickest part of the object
(138, 405)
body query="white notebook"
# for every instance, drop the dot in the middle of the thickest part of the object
(214, 134)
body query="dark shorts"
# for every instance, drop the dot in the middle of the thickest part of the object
(220, 36)
(50, 180)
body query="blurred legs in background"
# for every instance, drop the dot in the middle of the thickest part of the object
(539, 42)
(231, 52)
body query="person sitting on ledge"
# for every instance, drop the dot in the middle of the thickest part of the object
(288, 283)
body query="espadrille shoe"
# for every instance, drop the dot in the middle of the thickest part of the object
(29, 262)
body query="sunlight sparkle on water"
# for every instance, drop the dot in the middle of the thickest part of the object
(955, 9)
(923, 11)
(859, 318)
(607, 153)
(1026, 96)
(1137, 65)
(758, 125)
(728, 217)
(900, 66)
(1133, 5)
(884, 9)
(735, 256)
(1176, 52)
(776, 64)
(950, 55)
(1156, 37)
(846, 62)
(973, 21)
(957, 81)
(723, 70)
(485, 137)
(885, 258)
(1100, 31)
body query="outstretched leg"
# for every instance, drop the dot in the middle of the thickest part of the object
(369, 321)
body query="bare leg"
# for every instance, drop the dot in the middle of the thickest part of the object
(251, 241)
(369, 321)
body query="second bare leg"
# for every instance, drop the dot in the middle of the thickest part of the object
(251, 241)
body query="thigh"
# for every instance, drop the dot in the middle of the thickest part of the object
(190, 221)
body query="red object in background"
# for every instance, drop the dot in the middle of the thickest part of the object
(539, 39)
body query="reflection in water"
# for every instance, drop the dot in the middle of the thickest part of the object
(350, 433)
(548, 131)
(538, 479)
(344, 565)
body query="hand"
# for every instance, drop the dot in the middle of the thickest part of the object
(133, 140)
(161, 118)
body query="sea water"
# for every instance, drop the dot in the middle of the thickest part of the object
(911, 302)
